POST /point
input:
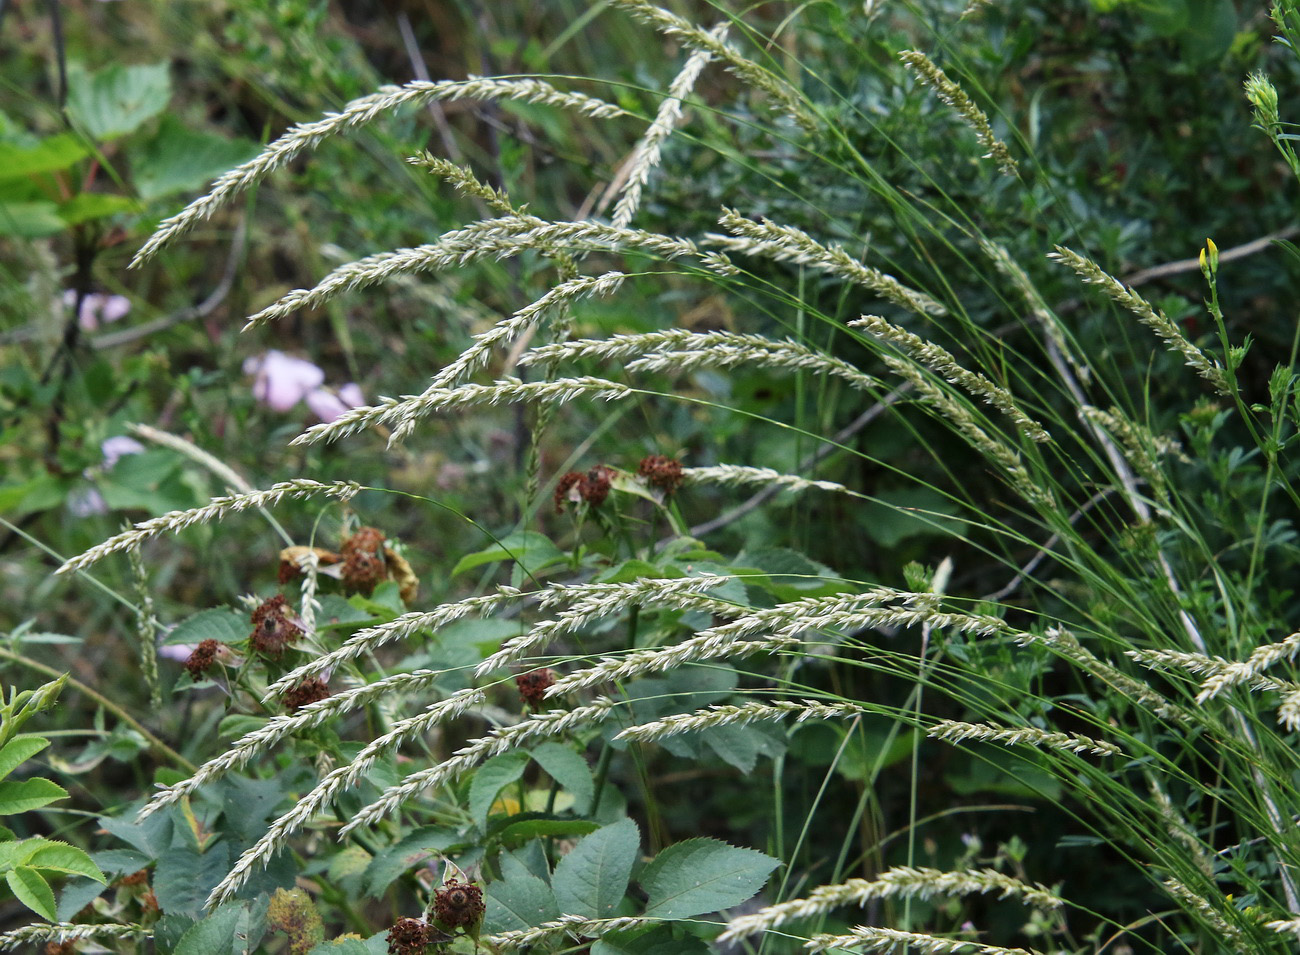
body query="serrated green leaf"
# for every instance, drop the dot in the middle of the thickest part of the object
(375, 945)
(215, 935)
(493, 776)
(14, 854)
(27, 795)
(18, 750)
(49, 155)
(530, 549)
(61, 857)
(592, 878)
(117, 99)
(179, 159)
(31, 889)
(216, 623)
(518, 903)
(569, 769)
(703, 875)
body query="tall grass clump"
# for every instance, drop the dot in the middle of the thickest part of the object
(959, 566)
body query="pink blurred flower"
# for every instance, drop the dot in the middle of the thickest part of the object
(328, 405)
(97, 308)
(118, 447)
(280, 380)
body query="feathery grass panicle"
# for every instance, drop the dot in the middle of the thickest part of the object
(953, 95)
(782, 627)
(1065, 643)
(590, 602)
(783, 243)
(1195, 902)
(749, 72)
(737, 475)
(402, 414)
(335, 782)
(740, 714)
(259, 741)
(482, 239)
(215, 509)
(1285, 926)
(545, 725)
(943, 363)
(953, 731)
(865, 939)
(650, 147)
(477, 354)
(372, 638)
(308, 563)
(307, 136)
(960, 417)
(1046, 318)
(1157, 321)
(639, 663)
(63, 933)
(496, 238)
(1288, 711)
(467, 183)
(1180, 830)
(679, 349)
(565, 924)
(146, 627)
(899, 882)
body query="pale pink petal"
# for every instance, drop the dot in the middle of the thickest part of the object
(328, 405)
(114, 307)
(117, 447)
(325, 405)
(283, 381)
(350, 394)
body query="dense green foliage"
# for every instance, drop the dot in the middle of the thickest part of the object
(882, 550)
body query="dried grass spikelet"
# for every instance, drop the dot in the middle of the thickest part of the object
(1156, 320)
(896, 883)
(943, 363)
(343, 778)
(954, 96)
(865, 938)
(749, 72)
(782, 243)
(740, 714)
(575, 925)
(546, 725)
(215, 509)
(680, 350)
(649, 149)
(359, 112)
(953, 731)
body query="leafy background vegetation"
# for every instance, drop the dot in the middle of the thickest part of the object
(1167, 528)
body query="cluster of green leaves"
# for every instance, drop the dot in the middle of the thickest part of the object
(28, 864)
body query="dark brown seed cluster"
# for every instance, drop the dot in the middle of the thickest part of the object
(201, 658)
(409, 937)
(363, 561)
(458, 904)
(592, 487)
(308, 691)
(661, 471)
(533, 686)
(272, 628)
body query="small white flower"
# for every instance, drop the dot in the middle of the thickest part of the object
(280, 380)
